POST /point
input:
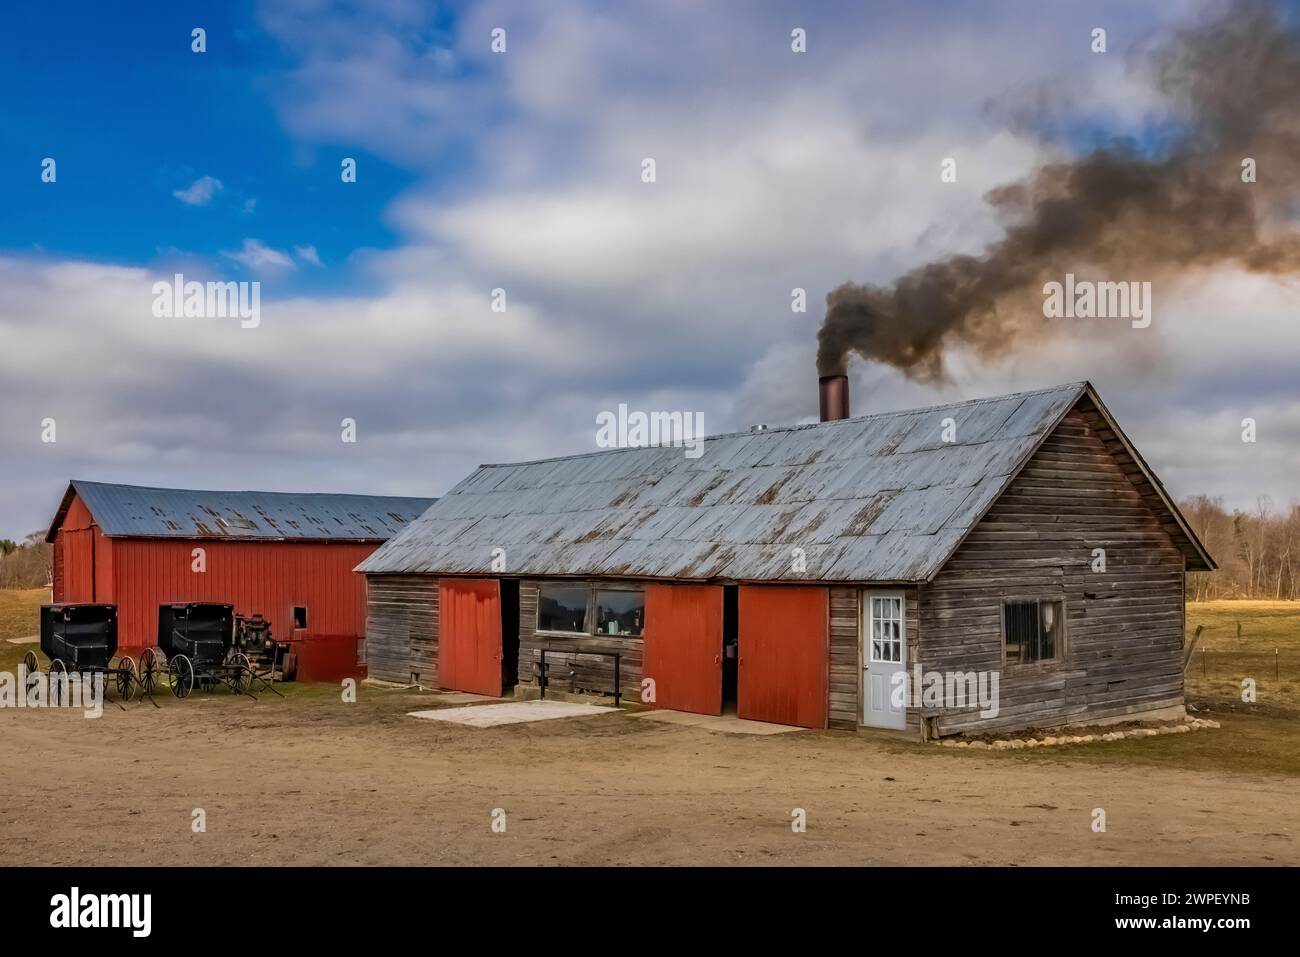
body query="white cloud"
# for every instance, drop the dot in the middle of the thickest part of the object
(260, 257)
(775, 171)
(200, 192)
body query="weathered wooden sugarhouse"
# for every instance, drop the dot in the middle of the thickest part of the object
(819, 575)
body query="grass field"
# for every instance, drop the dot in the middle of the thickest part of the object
(19, 618)
(1267, 650)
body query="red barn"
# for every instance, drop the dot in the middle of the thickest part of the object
(285, 555)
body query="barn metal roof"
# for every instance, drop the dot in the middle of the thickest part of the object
(141, 512)
(880, 498)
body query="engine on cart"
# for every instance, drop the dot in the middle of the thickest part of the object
(253, 637)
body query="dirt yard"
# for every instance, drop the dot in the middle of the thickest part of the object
(314, 781)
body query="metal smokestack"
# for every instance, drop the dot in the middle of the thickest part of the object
(833, 397)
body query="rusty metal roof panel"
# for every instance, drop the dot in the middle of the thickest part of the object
(133, 511)
(878, 498)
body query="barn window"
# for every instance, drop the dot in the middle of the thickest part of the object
(1033, 630)
(562, 608)
(587, 610)
(299, 616)
(620, 612)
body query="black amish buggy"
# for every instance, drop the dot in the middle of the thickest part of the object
(197, 639)
(82, 639)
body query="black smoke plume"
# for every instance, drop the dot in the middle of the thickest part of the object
(1123, 213)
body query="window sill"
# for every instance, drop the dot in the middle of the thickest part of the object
(1033, 667)
(580, 635)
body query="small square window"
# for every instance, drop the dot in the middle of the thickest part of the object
(299, 616)
(1033, 630)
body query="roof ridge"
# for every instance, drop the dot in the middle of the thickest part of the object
(248, 491)
(1063, 387)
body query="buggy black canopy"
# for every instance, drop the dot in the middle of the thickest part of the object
(201, 631)
(83, 637)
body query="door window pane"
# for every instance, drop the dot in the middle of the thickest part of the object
(887, 630)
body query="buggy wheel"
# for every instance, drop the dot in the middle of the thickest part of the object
(128, 681)
(181, 673)
(33, 671)
(148, 669)
(58, 681)
(241, 674)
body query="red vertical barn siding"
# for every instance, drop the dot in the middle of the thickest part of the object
(78, 564)
(103, 565)
(683, 646)
(784, 635)
(266, 577)
(328, 658)
(76, 545)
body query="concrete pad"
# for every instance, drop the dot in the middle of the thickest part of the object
(725, 723)
(29, 640)
(464, 697)
(511, 712)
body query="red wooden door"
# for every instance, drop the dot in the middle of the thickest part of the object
(469, 635)
(683, 647)
(784, 654)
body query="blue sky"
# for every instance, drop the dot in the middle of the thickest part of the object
(132, 115)
(521, 171)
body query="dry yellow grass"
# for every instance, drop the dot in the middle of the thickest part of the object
(1266, 649)
(20, 616)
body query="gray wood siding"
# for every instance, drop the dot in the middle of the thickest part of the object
(845, 679)
(402, 628)
(912, 620)
(1124, 626)
(570, 662)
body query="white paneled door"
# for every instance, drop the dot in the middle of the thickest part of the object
(884, 654)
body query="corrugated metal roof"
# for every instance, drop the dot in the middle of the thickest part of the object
(138, 511)
(876, 498)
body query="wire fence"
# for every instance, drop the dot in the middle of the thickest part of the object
(1270, 675)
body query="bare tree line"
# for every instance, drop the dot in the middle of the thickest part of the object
(1257, 550)
(25, 564)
